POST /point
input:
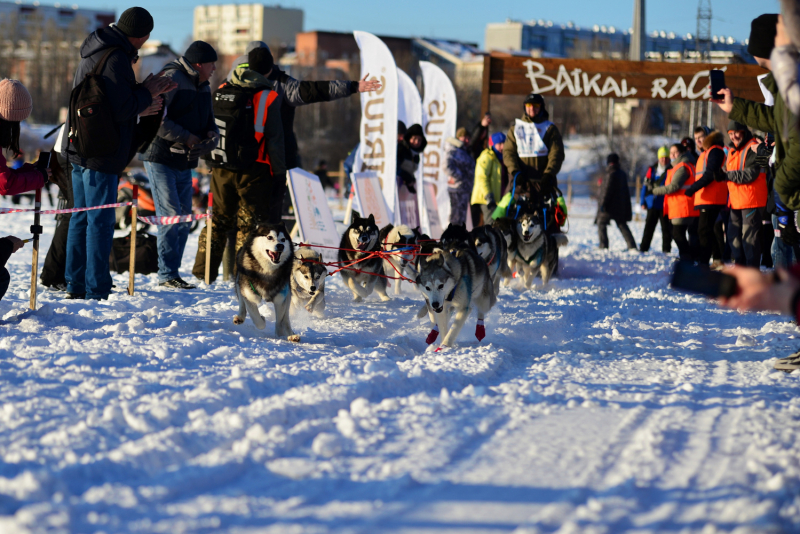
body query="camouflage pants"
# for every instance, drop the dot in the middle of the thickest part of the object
(459, 205)
(241, 201)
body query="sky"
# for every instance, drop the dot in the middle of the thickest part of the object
(466, 20)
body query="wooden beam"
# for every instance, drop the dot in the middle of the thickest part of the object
(486, 96)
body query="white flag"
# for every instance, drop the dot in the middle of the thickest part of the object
(409, 111)
(378, 129)
(439, 115)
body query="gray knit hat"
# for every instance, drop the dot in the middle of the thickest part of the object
(135, 22)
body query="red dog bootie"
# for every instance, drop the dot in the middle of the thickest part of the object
(480, 330)
(434, 333)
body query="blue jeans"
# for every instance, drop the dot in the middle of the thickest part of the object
(91, 233)
(782, 254)
(172, 195)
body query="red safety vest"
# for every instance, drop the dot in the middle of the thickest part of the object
(677, 205)
(715, 193)
(261, 103)
(746, 196)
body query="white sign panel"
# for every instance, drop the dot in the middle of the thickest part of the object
(378, 129)
(314, 217)
(432, 213)
(439, 116)
(369, 199)
(409, 111)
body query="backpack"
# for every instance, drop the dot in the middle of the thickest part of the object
(93, 131)
(234, 114)
(146, 254)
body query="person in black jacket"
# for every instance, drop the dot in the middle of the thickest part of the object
(94, 180)
(614, 203)
(187, 132)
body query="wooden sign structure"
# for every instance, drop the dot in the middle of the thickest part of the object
(504, 74)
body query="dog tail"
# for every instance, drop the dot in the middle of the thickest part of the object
(561, 239)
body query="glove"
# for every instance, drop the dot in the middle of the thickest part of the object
(648, 186)
(720, 176)
(691, 191)
(489, 198)
(788, 228)
(763, 160)
(549, 179)
(203, 147)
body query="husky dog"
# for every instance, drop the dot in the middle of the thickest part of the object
(507, 228)
(455, 283)
(308, 281)
(394, 238)
(491, 246)
(359, 240)
(537, 252)
(455, 237)
(263, 271)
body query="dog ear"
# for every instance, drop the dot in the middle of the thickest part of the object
(371, 219)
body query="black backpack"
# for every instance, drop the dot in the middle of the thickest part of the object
(146, 254)
(234, 114)
(93, 131)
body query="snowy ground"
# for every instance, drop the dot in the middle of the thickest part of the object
(605, 403)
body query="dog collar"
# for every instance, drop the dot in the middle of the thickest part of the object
(452, 294)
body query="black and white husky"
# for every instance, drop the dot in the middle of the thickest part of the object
(359, 240)
(308, 281)
(263, 270)
(537, 252)
(454, 284)
(508, 229)
(490, 245)
(397, 238)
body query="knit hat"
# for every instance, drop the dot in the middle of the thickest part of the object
(496, 138)
(461, 132)
(15, 101)
(735, 126)
(135, 22)
(663, 152)
(612, 158)
(252, 45)
(762, 35)
(401, 128)
(200, 52)
(260, 60)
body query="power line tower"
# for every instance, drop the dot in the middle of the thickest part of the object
(702, 39)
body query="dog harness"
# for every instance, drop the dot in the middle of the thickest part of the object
(537, 257)
(452, 294)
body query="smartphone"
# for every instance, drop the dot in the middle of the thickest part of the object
(717, 78)
(44, 161)
(693, 279)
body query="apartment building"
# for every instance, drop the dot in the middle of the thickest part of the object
(229, 27)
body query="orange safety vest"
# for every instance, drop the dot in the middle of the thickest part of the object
(715, 193)
(746, 196)
(261, 103)
(677, 205)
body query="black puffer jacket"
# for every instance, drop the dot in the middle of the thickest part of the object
(408, 158)
(127, 98)
(615, 198)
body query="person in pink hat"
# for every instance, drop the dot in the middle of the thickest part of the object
(15, 106)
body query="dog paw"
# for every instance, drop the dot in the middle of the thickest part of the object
(432, 337)
(357, 299)
(480, 332)
(385, 298)
(294, 338)
(237, 320)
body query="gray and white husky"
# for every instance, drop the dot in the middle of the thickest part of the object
(493, 248)
(263, 271)
(394, 238)
(308, 282)
(454, 284)
(507, 227)
(359, 240)
(537, 252)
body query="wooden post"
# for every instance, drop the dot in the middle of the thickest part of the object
(341, 183)
(36, 230)
(209, 226)
(134, 224)
(486, 97)
(348, 212)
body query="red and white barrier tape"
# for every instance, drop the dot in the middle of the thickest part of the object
(172, 219)
(4, 211)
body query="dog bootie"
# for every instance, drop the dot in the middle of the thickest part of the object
(434, 333)
(480, 330)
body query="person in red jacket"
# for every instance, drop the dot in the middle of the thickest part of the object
(15, 106)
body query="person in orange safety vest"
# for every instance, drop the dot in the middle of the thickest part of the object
(677, 206)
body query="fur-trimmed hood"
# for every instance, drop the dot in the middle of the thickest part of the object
(714, 138)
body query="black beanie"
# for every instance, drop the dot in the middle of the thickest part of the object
(401, 128)
(200, 52)
(135, 22)
(612, 159)
(260, 60)
(734, 126)
(762, 35)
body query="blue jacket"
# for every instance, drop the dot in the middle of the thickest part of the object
(127, 98)
(653, 201)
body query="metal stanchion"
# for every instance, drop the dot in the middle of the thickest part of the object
(134, 224)
(36, 230)
(209, 226)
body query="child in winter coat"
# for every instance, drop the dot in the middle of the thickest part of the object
(15, 106)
